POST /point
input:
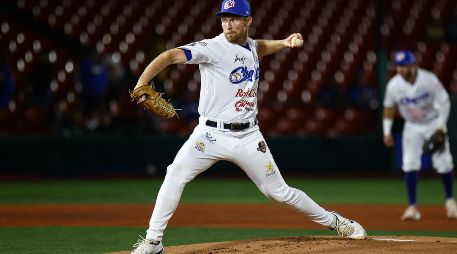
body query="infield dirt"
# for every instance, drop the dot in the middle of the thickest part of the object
(321, 244)
(372, 217)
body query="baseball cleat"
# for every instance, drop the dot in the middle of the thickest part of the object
(146, 246)
(411, 213)
(451, 209)
(349, 228)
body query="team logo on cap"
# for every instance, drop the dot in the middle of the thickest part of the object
(400, 56)
(229, 4)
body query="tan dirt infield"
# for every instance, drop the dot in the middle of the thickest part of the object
(322, 244)
(273, 216)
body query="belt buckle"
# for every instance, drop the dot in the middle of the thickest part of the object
(234, 126)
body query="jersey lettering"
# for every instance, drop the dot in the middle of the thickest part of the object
(248, 93)
(242, 74)
(415, 100)
(248, 105)
(238, 59)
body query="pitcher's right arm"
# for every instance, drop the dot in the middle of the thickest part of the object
(171, 56)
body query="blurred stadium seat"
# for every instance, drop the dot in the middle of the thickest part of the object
(339, 43)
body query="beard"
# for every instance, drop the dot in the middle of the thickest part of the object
(234, 37)
(410, 75)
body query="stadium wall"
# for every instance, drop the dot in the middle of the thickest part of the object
(140, 155)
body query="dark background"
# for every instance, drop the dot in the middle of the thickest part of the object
(66, 68)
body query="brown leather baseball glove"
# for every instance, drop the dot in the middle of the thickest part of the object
(153, 101)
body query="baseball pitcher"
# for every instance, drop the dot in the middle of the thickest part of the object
(424, 104)
(228, 128)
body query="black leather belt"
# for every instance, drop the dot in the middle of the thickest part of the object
(232, 126)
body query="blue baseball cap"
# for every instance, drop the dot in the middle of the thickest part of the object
(404, 57)
(235, 7)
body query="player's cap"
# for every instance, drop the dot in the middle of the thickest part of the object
(235, 7)
(404, 57)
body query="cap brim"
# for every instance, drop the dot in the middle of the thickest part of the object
(227, 13)
(404, 63)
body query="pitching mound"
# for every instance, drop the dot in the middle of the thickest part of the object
(323, 244)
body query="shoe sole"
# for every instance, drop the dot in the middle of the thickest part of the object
(363, 237)
(416, 217)
(452, 215)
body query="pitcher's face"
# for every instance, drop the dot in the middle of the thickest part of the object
(236, 28)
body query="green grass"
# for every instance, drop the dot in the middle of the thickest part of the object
(332, 191)
(109, 239)
(69, 240)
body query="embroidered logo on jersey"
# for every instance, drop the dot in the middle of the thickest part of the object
(415, 100)
(248, 93)
(242, 74)
(200, 146)
(229, 4)
(247, 105)
(210, 138)
(201, 43)
(262, 147)
(241, 60)
(270, 168)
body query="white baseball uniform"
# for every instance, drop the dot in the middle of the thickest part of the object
(227, 130)
(418, 105)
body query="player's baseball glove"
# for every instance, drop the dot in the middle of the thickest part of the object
(435, 143)
(153, 101)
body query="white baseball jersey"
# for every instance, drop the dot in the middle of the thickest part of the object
(229, 78)
(416, 101)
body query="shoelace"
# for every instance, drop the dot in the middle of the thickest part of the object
(142, 240)
(343, 228)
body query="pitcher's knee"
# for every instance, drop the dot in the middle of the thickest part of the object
(277, 192)
(174, 183)
(177, 173)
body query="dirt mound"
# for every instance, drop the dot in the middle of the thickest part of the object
(322, 244)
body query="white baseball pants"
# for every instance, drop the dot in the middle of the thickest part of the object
(414, 136)
(248, 150)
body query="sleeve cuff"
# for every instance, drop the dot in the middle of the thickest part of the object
(188, 54)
